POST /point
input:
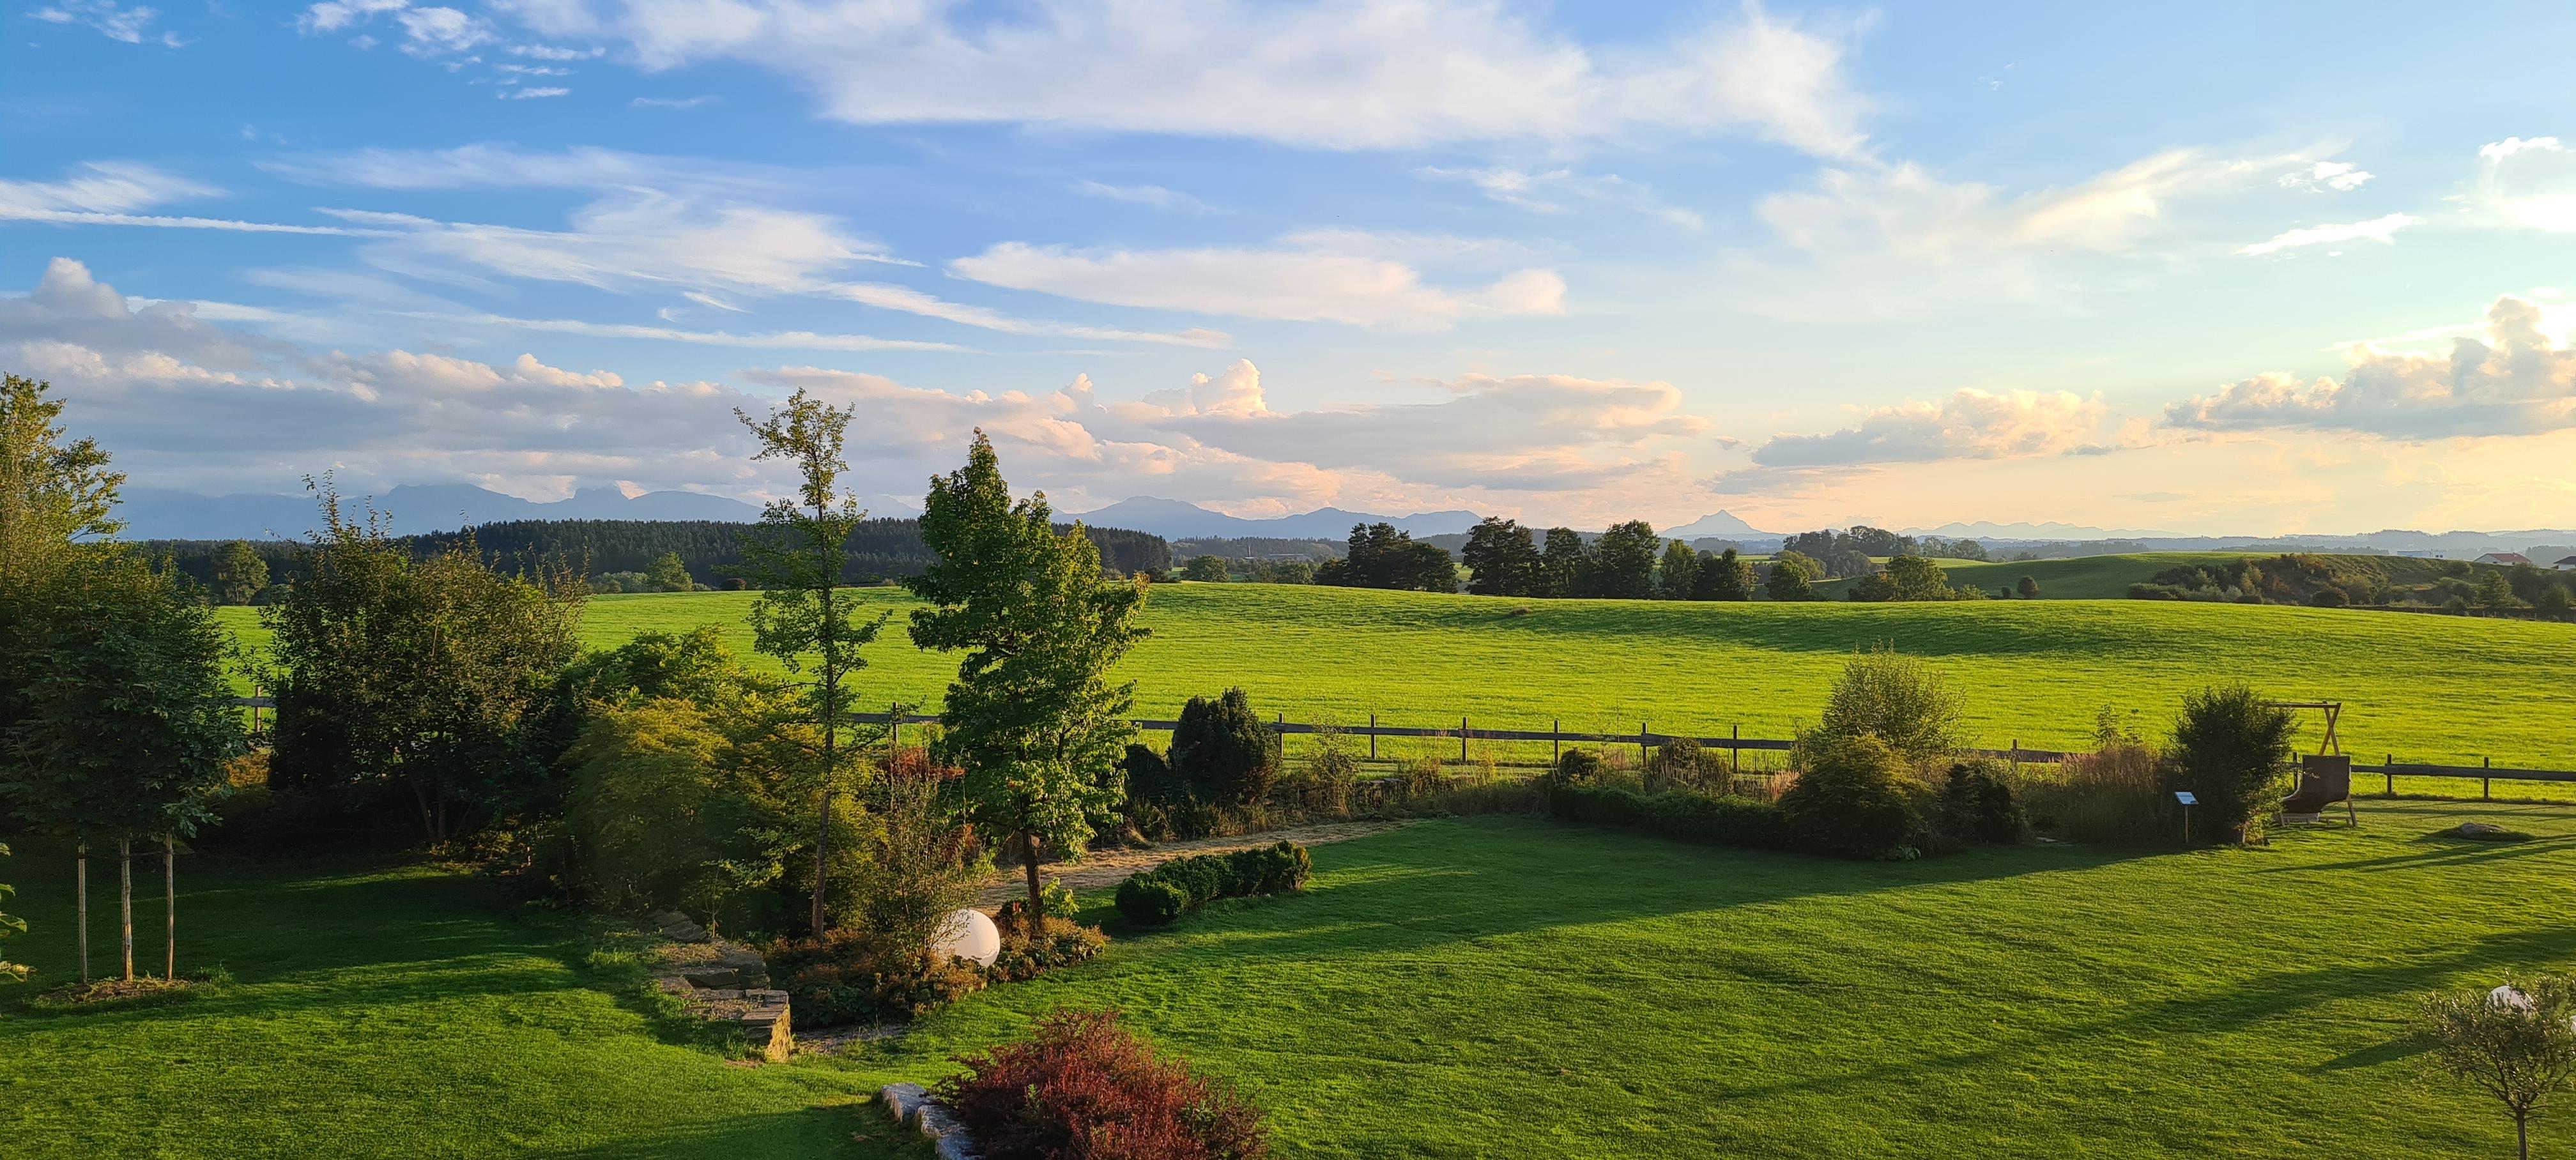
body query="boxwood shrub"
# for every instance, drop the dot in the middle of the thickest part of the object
(1167, 891)
(1685, 814)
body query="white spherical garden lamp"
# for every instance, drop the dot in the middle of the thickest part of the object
(968, 935)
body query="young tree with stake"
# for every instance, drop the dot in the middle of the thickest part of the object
(1032, 716)
(2516, 1043)
(796, 559)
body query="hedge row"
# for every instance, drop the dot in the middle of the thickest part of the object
(1679, 813)
(1163, 893)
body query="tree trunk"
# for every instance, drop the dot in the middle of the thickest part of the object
(80, 880)
(125, 900)
(2522, 1134)
(169, 908)
(831, 739)
(1037, 895)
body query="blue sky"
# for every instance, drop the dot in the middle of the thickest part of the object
(2190, 269)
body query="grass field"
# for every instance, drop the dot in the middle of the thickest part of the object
(2430, 689)
(1459, 988)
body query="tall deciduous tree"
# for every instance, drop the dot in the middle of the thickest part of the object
(430, 674)
(1032, 717)
(238, 573)
(1621, 564)
(1677, 576)
(1501, 559)
(1725, 576)
(1793, 576)
(1560, 567)
(802, 618)
(115, 715)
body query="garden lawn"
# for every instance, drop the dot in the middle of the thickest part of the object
(405, 1011)
(1497, 986)
(1516, 987)
(2443, 690)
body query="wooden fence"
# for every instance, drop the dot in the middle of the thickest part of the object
(1734, 744)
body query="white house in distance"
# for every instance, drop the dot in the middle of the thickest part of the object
(2566, 565)
(2506, 559)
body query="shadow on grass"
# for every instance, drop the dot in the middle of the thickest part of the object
(1539, 874)
(857, 1131)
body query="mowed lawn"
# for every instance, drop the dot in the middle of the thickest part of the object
(2427, 688)
(1490, 986)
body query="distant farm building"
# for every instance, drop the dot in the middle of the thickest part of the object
(2566, 565)
(2507, 559)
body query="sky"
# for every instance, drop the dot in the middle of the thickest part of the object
(2208, 269)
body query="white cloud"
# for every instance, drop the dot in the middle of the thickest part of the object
(1315, 277)
(526, 94)
(630, 242)
(1547, 191)
(2335, 176)
(1342, 74)
(99, 187)
(1147, 195)
(779, 340)
(667, 102)
(2516, 382)
(2382, 230)
(910, 301)
(2528, 183)
(130, 25)
(1970, 424)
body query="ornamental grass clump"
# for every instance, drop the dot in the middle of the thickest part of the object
(1084, 1088)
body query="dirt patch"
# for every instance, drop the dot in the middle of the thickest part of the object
(1105, 868)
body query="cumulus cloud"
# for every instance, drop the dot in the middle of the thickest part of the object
(2382, 230)
(107, 18)
(187, 402)
(1339, 74)
(1970, 424)
(428, 30)
(2528, 183)
(1309, 278)
(2515, 382)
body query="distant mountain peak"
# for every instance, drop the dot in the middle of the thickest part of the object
(1175, 519)
(1723, 525)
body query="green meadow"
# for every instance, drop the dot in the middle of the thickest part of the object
(1472, 987)
(2433, 689)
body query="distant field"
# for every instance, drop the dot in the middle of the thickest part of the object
(2430, 689)
(2109, 577)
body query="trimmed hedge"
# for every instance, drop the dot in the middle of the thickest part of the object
(1697, 817)
(1167, 891)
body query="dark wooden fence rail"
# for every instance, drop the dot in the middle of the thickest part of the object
(1646, 739)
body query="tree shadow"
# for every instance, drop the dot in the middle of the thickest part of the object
(851, 1131)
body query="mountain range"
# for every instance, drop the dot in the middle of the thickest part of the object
(155, 514)
(1175, 520)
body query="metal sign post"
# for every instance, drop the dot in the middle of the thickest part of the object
(2185, 797)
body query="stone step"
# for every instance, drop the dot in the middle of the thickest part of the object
(713, 977)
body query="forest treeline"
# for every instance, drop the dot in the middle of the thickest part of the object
(709, 549)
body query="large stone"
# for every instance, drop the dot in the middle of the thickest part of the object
(713, 977)
(955, 1146)
(938, 1123)
(766, 998)
(2478, 830)
(903, 1099)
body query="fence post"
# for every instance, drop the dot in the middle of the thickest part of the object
(1372, 736)
(1462, 739)
(1556, 741)
(1644, 759)
(2486, 782)
(2389, 770)
(894, 740)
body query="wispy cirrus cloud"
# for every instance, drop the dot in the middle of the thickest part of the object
(2382, 230)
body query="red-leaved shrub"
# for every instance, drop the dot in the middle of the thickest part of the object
(1085, 1089)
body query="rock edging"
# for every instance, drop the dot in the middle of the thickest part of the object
(723, 982)
(912, 1102)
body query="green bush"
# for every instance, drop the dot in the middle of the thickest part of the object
(1684, 814)
(1977, 805)
(851, 976)
(1579, 767)
(2232, 750)
(1222, 751)
(1850, 800)
(1167, 891)
(1900, 700)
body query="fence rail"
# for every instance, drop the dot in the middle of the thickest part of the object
(1646, 739)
